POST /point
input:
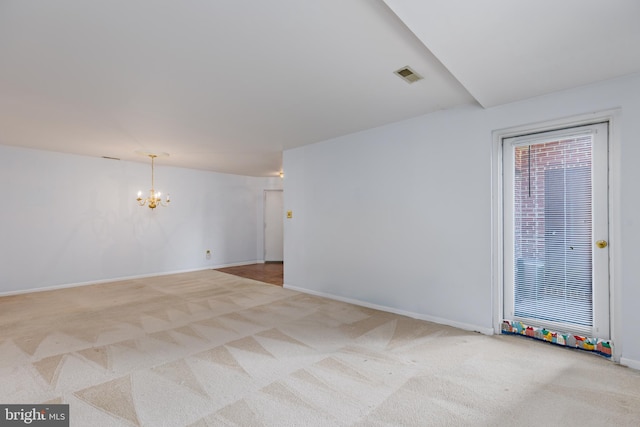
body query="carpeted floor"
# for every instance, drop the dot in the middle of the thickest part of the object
(211, 349)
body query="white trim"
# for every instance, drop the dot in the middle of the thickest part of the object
(631, 363)
(497, 231)
(441, 321)
(124, 278)
(615, 234)
(234, 264)
(553, 125)
(613, 117)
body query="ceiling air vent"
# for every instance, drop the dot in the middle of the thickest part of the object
(408, 75)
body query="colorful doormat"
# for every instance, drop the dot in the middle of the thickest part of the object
(596, 345)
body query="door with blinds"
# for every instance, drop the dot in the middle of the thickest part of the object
(556, 230)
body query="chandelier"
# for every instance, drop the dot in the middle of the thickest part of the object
(155, 197)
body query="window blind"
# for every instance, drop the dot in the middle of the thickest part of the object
(553, 231)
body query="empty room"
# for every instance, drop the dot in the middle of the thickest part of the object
(438, 197)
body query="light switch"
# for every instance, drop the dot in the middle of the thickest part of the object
(289, 214)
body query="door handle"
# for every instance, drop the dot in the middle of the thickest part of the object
(601, 244)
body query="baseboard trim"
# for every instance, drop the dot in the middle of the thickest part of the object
(630, 363)
(124, 278)
(420, 316)
(238, 264)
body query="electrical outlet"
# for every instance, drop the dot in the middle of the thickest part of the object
(208, 254)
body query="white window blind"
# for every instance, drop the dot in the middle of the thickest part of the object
(553, 231)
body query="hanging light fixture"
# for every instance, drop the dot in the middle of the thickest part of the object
(155, 197)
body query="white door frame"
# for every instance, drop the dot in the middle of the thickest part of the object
(497, 204)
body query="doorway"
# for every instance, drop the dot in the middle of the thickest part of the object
(273, 225)
(556, 230)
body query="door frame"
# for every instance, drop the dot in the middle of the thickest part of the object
(497, 205)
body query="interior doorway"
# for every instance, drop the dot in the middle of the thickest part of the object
(273, 226)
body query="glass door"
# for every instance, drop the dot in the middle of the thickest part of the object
(556, 230)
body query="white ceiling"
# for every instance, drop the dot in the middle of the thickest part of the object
(227, 85)
(508, 50)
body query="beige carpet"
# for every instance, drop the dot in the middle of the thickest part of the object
(211, 349)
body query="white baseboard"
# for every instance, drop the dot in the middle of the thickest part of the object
(439, 320)
(631, 363)
(236, 264)
(123, 278)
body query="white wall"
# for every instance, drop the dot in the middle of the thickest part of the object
(400, 216)
(69, 219)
